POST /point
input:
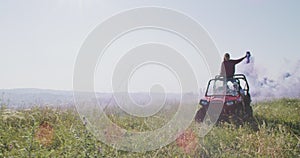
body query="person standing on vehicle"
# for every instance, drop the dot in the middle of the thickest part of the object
(228, 65)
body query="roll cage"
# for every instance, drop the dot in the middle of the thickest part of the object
(238, 82)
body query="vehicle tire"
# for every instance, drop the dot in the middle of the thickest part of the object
(248, 111)
(238, 115)
(200, 115)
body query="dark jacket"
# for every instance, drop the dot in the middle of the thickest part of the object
(228, 67)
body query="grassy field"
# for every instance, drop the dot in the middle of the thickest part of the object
(51, 132)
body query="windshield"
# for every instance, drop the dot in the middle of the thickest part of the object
(222, 87)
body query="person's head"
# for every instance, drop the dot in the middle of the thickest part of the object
(226, 57)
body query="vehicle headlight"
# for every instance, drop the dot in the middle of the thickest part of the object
(229, 103)
(203, 102)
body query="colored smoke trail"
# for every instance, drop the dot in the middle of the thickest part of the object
(262, 87)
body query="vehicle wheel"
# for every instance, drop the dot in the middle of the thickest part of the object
(200, 115)
(237, 117)
(248, 112)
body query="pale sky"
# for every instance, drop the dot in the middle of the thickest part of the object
(39, 40)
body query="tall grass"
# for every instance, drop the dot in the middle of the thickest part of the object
(53, 132)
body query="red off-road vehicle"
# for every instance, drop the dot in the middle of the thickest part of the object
(226, 99)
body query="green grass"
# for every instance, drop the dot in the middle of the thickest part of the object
(278, 135)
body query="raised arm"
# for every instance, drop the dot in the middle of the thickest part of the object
(238, 60)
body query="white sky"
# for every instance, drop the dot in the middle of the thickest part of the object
(39, 40)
